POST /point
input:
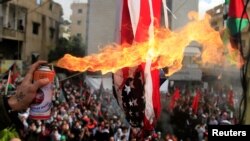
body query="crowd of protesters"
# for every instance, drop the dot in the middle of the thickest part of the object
(80, 113)
(214, 107)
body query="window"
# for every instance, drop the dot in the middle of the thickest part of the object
(35, 29)
(20, 25)
(51, 31)
(39, 2)
(51, 6)
(214, 23)
(218, 11)
(79, 10)
(79, 22)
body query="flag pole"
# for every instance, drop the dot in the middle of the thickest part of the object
(7, 85)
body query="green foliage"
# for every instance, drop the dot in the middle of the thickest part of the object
(7, 134)
(73, 46)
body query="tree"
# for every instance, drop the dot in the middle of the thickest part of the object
(76, 47)
(73, 46)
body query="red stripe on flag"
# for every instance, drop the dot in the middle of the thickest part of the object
(127, 36)
(155, 73)
(236, 8)
(157, 6)
(141, 34)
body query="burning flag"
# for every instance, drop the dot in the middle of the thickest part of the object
(144, 48)
(137, 88)
(165, 49)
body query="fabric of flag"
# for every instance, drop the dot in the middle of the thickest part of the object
(236, 21)
(176, 96)
(14, 73)
(231, 98)
(137, 89)
(196, 100)
(235, 13)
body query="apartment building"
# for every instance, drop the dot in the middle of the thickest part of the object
(78, 19)
(28, 27)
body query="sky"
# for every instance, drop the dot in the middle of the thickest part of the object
(204, 5)
(66, 7)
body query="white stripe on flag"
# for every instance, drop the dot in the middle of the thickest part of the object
(134, 11)
(149, 110)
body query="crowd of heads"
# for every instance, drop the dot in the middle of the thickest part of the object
(214, 108)
(80, 113)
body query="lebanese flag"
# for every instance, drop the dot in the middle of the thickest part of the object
(137, 89)
(196, 100)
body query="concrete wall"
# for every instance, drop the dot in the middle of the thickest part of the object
(180, 8)
(101, 24)
(42, 43)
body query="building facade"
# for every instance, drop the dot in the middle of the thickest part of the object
(101, 24)
(29, 28)
(78, 19)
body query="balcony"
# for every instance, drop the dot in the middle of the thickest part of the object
(12, 34)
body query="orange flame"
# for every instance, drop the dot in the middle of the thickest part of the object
(166, 49)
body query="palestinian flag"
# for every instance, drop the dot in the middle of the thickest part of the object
(235, 13)
(237, 19)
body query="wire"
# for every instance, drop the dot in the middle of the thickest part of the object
(244, 70)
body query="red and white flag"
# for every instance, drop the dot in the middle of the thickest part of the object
(137, 89)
